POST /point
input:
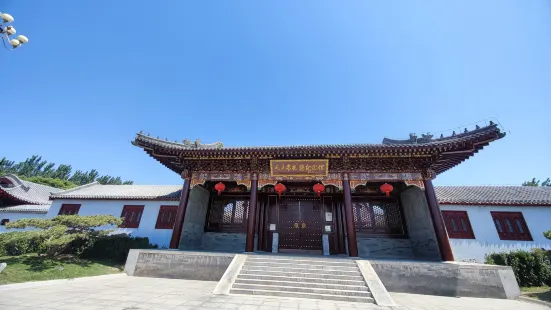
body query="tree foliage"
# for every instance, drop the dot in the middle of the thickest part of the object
(547, 234)
(535, 182)
(57, 183)
(57, 233)
(43, 172)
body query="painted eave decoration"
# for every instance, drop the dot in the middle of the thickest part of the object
(441, 153)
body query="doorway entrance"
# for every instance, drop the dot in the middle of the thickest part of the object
(300, 225)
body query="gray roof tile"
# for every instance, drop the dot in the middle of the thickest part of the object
(26, 209)
(26, 191)
(494, 195)
(98, 191)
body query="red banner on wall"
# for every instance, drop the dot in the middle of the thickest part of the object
(299, 167)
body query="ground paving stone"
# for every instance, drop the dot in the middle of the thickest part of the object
(135, 293)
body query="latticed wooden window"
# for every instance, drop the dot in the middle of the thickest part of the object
(69, 209)
(132, 215)
(378, 218)
(511, 226)
(167, 217)
(458, 224)
(228, 214)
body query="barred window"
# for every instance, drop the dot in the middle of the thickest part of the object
(132, 215)
(69, 209)
(458, 224)
(166, 217)
(511, 226)
(378, 218)
(228, 214)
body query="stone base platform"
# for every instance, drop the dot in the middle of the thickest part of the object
(417, 277)
(447, 278)
(175, 264)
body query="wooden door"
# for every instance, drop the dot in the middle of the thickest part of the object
(300, 225)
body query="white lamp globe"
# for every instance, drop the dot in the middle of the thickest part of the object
(22, 39)
(15, 43)
(10, 30)
(7, 18)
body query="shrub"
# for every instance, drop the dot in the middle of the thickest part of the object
(21, 242)
(115, 248)
(530, 268)
(58, 234)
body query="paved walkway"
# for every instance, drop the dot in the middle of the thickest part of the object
(119, 292)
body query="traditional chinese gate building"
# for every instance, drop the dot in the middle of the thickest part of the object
(263, 198)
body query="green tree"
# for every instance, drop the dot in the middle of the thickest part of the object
(35, 166)
(57, 183)
(535, 182)
(547, 234)
(58, 233)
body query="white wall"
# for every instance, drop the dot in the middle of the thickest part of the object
(161, 237)
(14, 216)
(538, 220)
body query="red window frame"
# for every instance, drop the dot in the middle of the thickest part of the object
(458, 224)
(166, 217)
(132, 216)
(511, 226)
(69, 209)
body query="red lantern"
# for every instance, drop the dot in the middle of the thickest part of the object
(280, 188)
(386, 188)
(318, 188)
(220, 187)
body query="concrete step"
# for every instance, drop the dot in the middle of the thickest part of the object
(341, 262)
(313, 279)
(292, 268)
(267, 292)
(359, 287)
(355, 276)
(297, 289)
(303, 265)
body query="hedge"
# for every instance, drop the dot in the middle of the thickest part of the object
(531, 268)
(114, 248)
(21, 242)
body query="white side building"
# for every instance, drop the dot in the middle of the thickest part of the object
(148, 210)
(481, 220)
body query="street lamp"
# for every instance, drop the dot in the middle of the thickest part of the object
(7, 30)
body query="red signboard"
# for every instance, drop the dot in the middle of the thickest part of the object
(299, 167)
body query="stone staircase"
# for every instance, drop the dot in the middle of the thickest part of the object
(302, 277)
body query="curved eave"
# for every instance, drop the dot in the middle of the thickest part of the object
(21, 199)
(447, 152)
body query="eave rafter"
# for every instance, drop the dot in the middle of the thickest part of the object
(439, 154)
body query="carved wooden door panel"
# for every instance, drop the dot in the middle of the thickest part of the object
(289, 229)
(300, 225)
(311, 225)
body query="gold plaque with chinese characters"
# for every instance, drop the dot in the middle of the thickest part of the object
(299, 167)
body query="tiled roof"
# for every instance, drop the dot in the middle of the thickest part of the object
(26, 209)
(26, 191)
(135, 192)
(443, 153)
(493, 195)
(425, 141)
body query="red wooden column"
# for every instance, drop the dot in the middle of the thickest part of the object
(350, 229)
(181, 213)
(249, 245)
(438, 222)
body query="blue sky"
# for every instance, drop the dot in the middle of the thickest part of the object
(276, 73)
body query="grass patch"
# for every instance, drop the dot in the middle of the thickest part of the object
(31, 267)
(538, 292)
